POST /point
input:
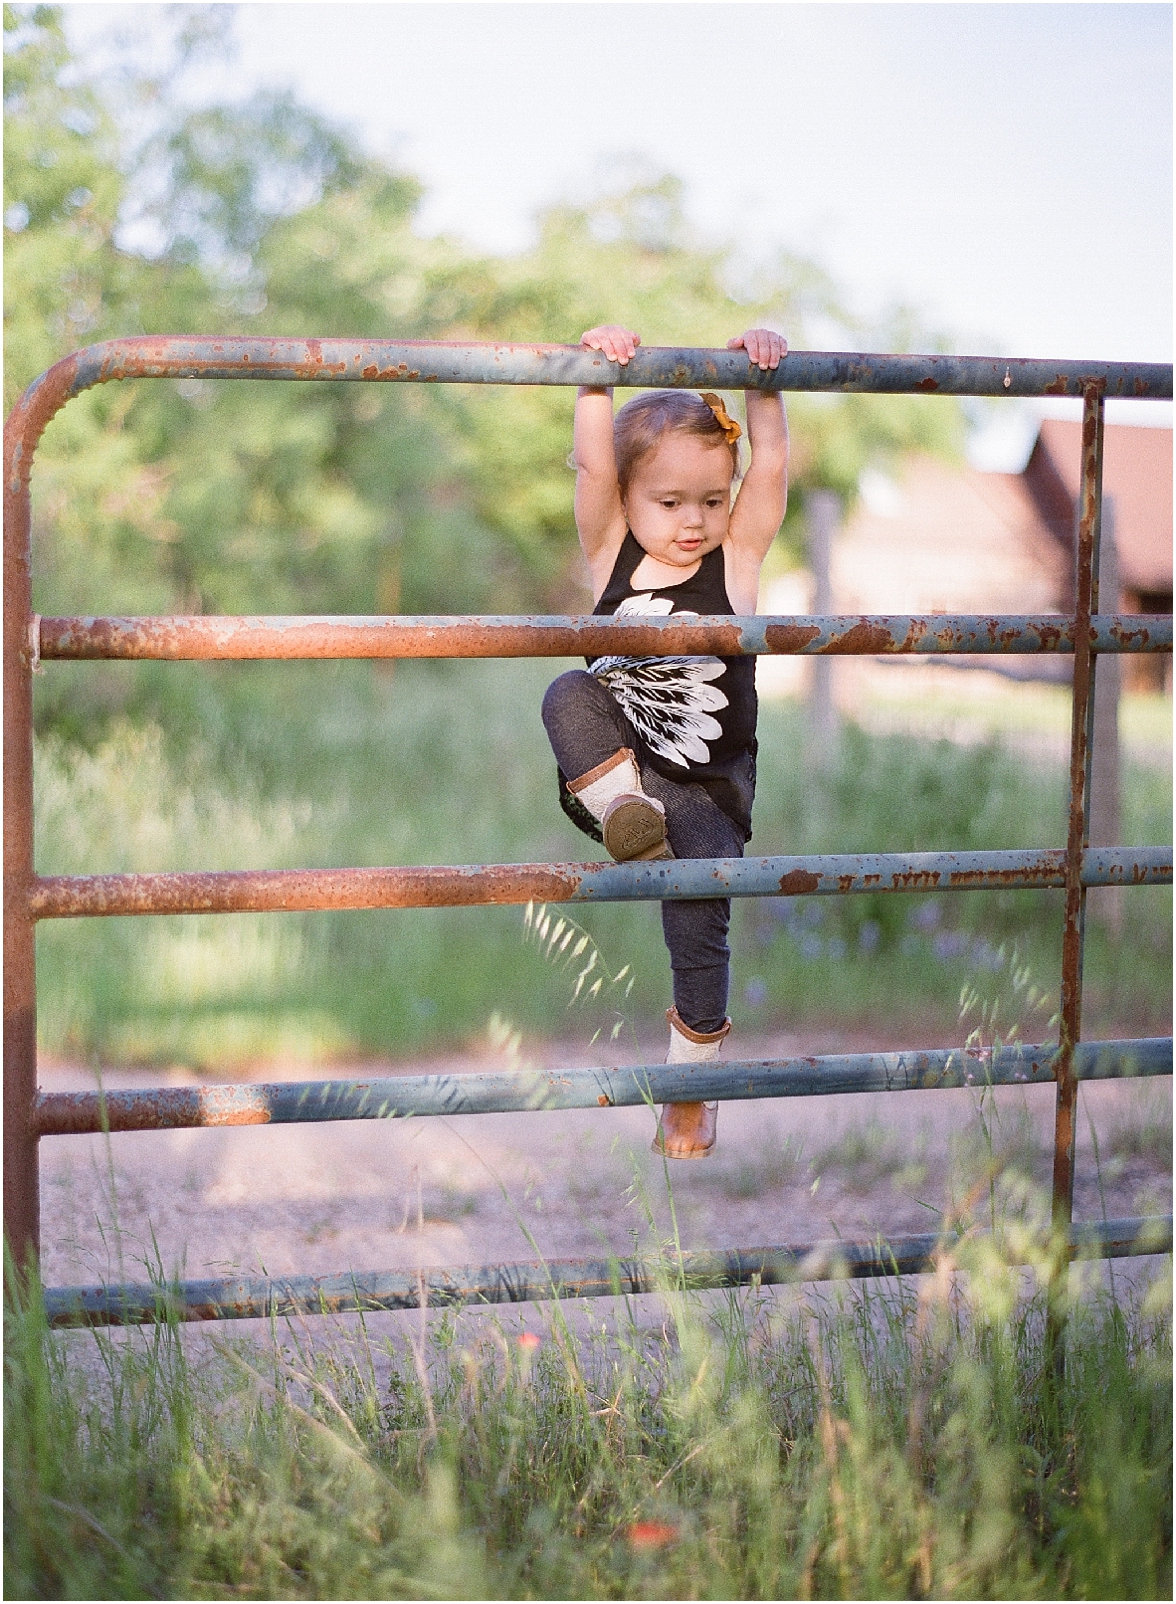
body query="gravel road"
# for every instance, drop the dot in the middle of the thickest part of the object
(370, 1195)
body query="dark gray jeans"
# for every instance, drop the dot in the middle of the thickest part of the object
(586, 726)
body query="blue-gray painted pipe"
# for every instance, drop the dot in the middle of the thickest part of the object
(372, 1291)
(657, 367)
(842, 874)
(529, 1091)
(684, 879)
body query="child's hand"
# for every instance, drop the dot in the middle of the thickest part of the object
(616, 343)
(764, 347)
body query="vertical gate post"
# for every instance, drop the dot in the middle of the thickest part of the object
(1077, 838)
(1105, 805)
(21, 1211)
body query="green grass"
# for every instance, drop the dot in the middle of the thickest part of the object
(892, 1441)
(276, 765)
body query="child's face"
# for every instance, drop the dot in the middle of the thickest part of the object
(679, 499)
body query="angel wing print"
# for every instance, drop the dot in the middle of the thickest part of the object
(668, 700)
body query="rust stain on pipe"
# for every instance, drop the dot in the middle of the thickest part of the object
(864, 640)
(301, 890)
(798, 882)
(789, 639)
(165, 1108)
(193, 639)
(917, 880)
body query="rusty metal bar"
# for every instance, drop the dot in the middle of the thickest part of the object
(371, 1291)
(656, 367)
(682, 879)
(1073, 930)
(191, 639)
(21, 1181)
(530, 1091)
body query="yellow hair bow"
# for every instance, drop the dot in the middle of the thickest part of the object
(726, 423)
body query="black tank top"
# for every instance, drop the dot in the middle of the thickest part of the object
(694, 714)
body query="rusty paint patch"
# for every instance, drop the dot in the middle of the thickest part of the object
(798, 883)
(1060, 386)
(962, 879)
(865, 639)
(927, 385)
(788, 639)
(915, 879)
(1051, 636)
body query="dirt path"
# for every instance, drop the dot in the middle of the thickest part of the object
(386, 1195)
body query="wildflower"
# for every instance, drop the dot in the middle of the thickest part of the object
(528, 1341)
(652, 1534)
(755, 993)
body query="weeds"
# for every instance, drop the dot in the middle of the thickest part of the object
(883, 1441)
(774, 1164)
(862, 1156)
(1145, 1133)
(567, 947)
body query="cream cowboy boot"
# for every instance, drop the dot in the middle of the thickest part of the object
(633, 825)
(688, 1130)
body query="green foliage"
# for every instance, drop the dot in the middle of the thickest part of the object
(282, 765)
(844, 1444)
(62, 192)
(222, 497)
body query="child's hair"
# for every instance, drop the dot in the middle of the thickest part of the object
(640, 424)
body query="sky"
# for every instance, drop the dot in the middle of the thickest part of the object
(1004, 169)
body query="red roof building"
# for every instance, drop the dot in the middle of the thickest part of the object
(1137, 481)
(937, 538)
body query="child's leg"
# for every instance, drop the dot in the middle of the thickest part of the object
(596, 749)
(587, 728)
(584, 723)
(696, 932)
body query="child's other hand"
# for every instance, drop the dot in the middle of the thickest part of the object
(764, 347)
(616, 343)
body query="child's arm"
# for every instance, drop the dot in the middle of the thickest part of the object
(763, 495)
(600, 517)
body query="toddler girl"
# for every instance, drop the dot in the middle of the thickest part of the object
(656, 755)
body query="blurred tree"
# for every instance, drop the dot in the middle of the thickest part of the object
(261, 217)
(629, 257)
(96, 502)
(62, 191)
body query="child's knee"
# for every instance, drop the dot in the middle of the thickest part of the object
(575, 701)
(565, 693)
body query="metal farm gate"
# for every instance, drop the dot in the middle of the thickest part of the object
(30, 1114)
